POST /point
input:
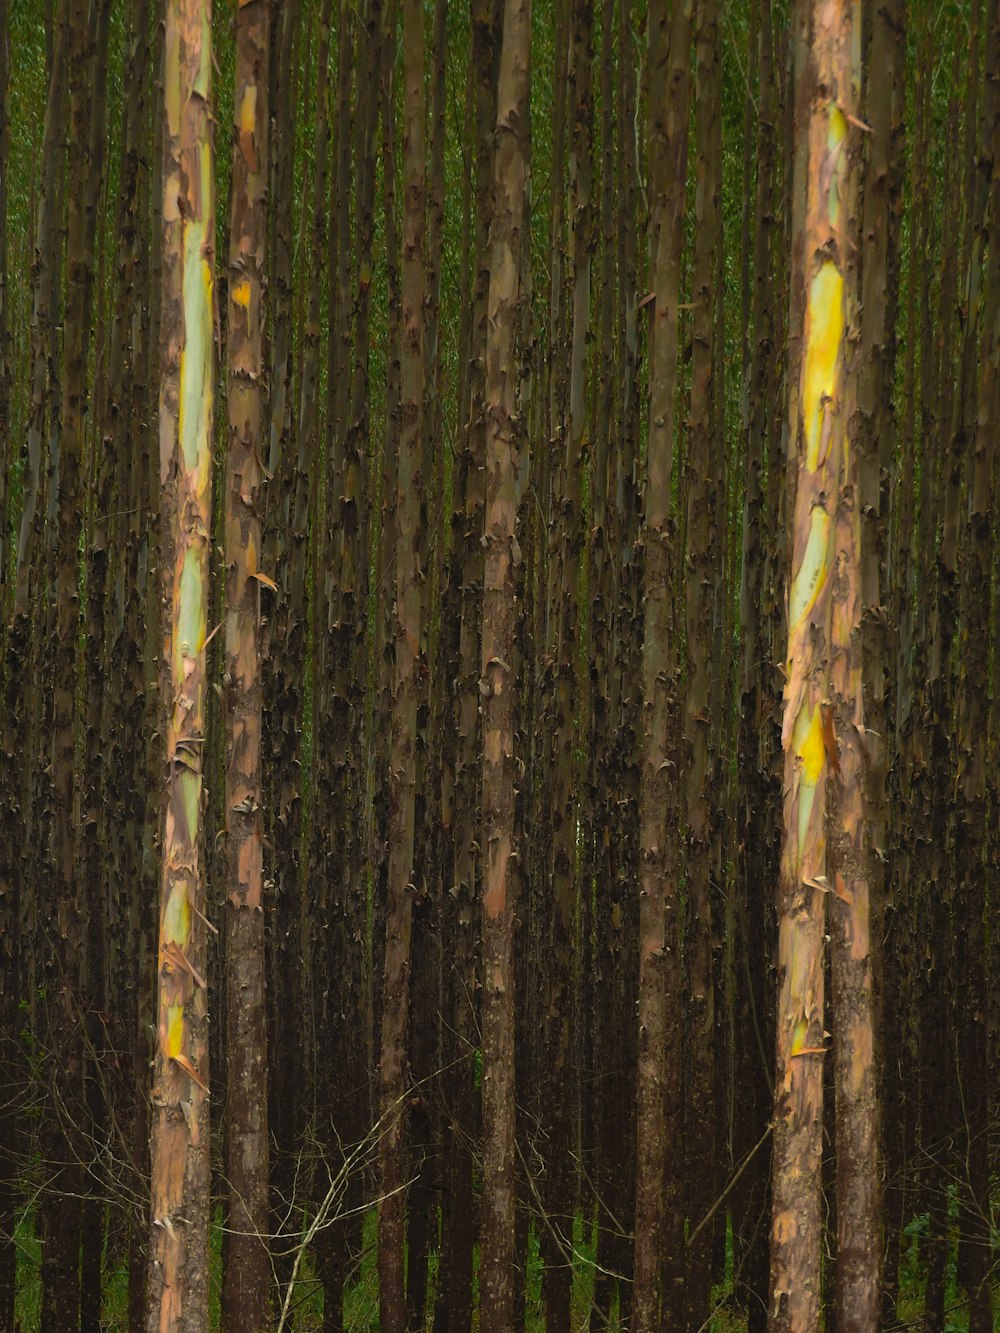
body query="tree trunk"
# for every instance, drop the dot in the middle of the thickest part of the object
(821, 216)
(850, 822)
(409, 582)
(756, 869)
(62, 1218)
(178, 1273)
(705, 547)
(563, 1105)
(246, 1268)
(972, 709)
(498, 685)
(281, 719)
(658, 1093)
(8, 769)
(469, 489)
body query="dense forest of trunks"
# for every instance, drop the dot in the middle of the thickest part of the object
(500, 665)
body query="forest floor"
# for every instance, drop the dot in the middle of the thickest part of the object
(361, 1296)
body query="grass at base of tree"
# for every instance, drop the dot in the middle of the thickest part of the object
(361, 1294)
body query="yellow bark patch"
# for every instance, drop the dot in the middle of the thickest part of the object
(177, 917)
(195, 405)
(240, 294)
(189, 638)
(807, 741)
(191, 796)
(824, 330)
(799, 1033)
(175, 1030)
(248, 109)
(172, 80)
(814, 568)
(812, 748)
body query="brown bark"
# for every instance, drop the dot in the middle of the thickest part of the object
(177, 1296)
(143, 618)
(881, 229)
(6, 452)
(246, 1269)
(91, 831)
(343, 636)
(407, 642)
(856, 790)
(8, 779)
(627, 682)
(972, 707)
(43, 316)
(282, 717)
(756, 869)
(606, 968)
(386, 560)
(941, 501)
(901, 1012)
(469, 485)
(704, 556)
(498, 685)
(659, 1106)
(566, 877)
(62, 1219)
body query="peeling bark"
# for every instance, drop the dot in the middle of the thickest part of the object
(177, 1294)
(824, 37)
(246, 1267)
(498, 684)
(409, 576)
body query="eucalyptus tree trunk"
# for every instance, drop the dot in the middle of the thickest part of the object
(8, 889)
(246, 1274)
(626, 683)
(62, 1218)
(143, 629)
(92, 832)
(425, 1059)
(817, 420)
(901, 1014)
(6, 375)
(704, 557)
(562, 1104)
(469, 489)
(858, 691)
(386, 557)
(756, 870)
(281, 717)
(115, 739)
(341, 774)
(850, 822)
(540, 905)
(605, 961)
(658, 1232)
(972, 708)
(499, 686)
(943, 510)
(433, 807)
(407, 640)
(177, 1297)
(876, 435)
(32, 622)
